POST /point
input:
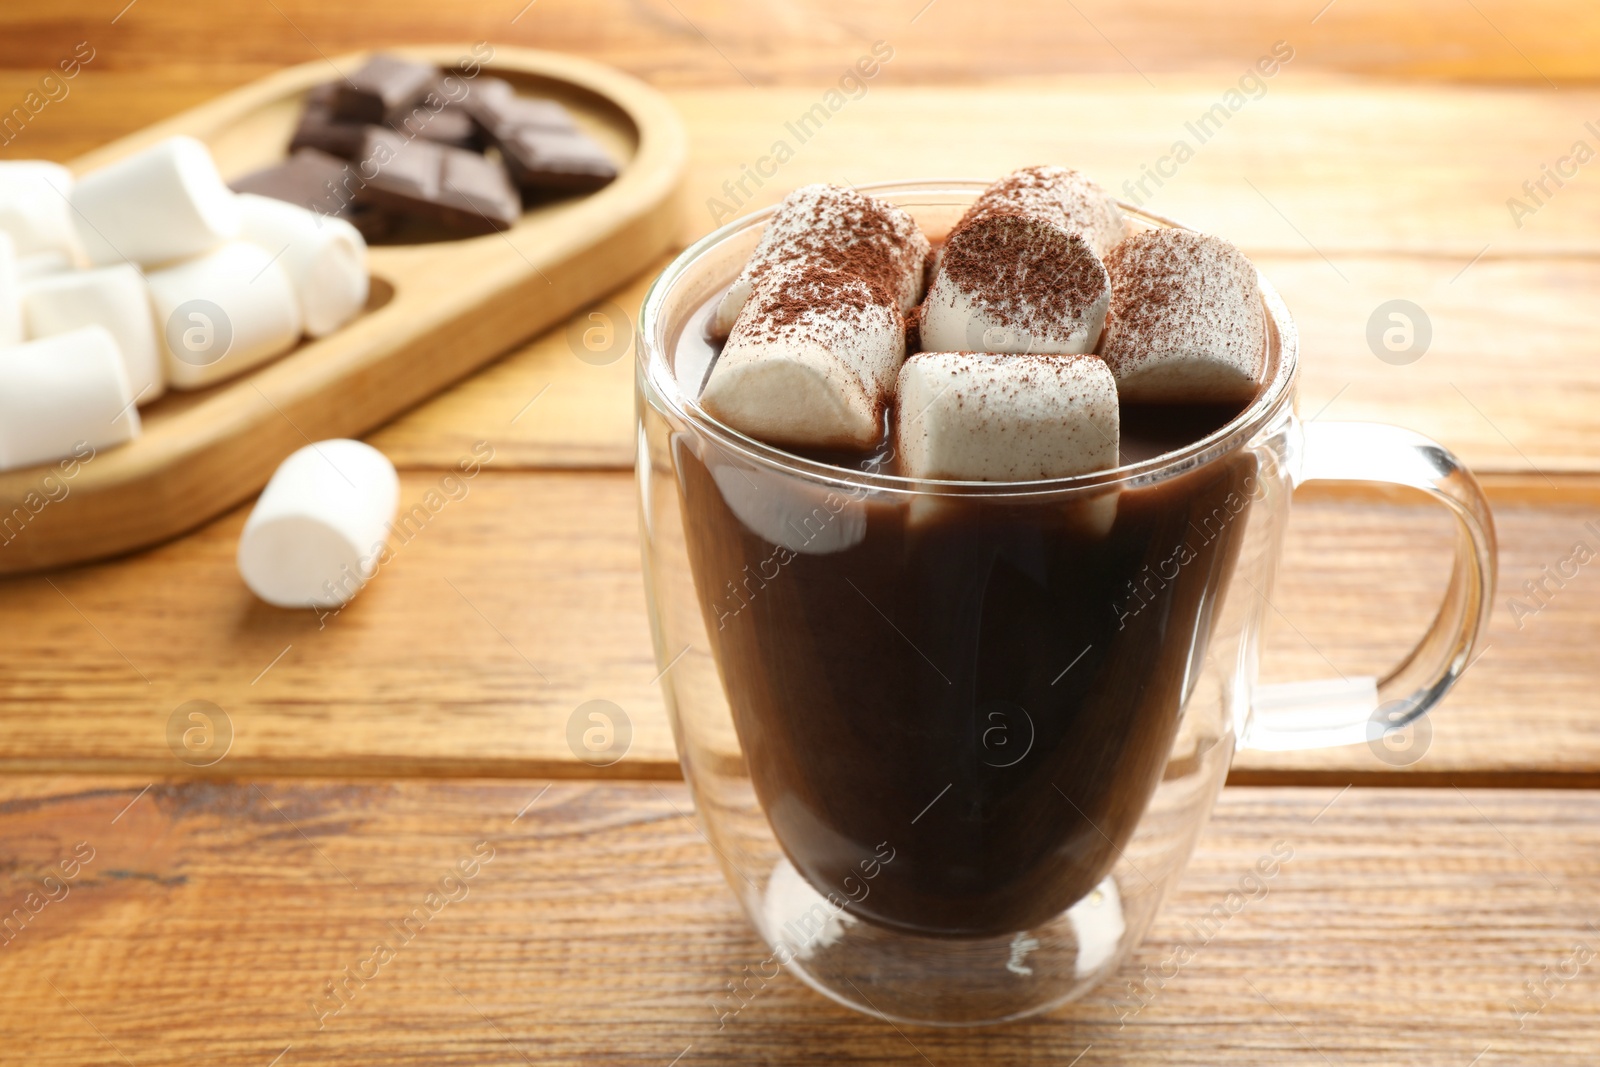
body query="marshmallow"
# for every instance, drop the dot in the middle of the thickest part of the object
(838, 228)
(1186, 323)
(971, 416)
(1015, 283)
(42, 264)
(161, 204)
(10, 293)
(784, 510)
(325, 258)
(62, 392)
(812, 361)
(319, 529)
(114, 297)
(34, 207)
(222, 313)
(1059, 195)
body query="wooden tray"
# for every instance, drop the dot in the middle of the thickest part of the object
(438, 311)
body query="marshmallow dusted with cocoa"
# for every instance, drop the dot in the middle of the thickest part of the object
(838, 228)
(1060, 195)
(1048, 318)
(979, 416)
(1186, 323)
(1015, 283)
(811, 361)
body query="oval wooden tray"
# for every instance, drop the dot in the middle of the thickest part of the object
(438, 312)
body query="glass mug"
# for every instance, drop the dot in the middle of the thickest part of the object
(952, 742)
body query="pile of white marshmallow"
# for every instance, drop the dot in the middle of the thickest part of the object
(145, 274)
(1003, 355)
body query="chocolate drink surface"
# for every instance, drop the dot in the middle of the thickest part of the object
(991, 688)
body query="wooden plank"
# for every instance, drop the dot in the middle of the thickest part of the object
(1385, 238)
(1312, 166)
(508, 603)
(1528, 313)
(565, 400)
(422, 676)
(1403, 929)
(703, 42)
(1355, 171)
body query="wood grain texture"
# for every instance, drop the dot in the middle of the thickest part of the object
(1312, 167)
(436, 668)
(1358, 173)
(509, 601)
(785, 41)
(1400, 932)
(563, 401)
(1532, 313)
(1353, 167)
(1347, 195)
(448, 307)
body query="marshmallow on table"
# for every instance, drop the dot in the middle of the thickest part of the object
(829, 226)
(34, 207)
(222, 313)
(318, 531)
(161, 204)
(324, 257)
(811, 362)
(60, 392)
(1015, 283)
(114, 297)
(1060, 195)
(10, 293)
(1186, 322)
(977, 416)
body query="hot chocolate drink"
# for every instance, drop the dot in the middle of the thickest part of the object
(987, 685)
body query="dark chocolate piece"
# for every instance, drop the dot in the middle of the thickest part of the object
(549, 161)
(494, 104)
(446, 125)
(432, 118)
(458, 190)
(542, 146)
(321, 129)
(385, 87)
(321, 183)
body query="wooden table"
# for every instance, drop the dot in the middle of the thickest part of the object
(370, 754)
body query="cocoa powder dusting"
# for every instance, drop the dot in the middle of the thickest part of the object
(1179, 290)
(833, 227)
(1026, 272)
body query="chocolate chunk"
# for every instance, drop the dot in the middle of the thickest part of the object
(542, 147)
(495, 104)
(446, 125)
(386, 87)
(318, 182)
(432, 118)
(321, 129)
(548, 161)
(458, 190)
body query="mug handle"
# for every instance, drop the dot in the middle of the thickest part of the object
(1320, 714)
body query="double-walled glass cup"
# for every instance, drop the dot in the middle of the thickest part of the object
(952, 742)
